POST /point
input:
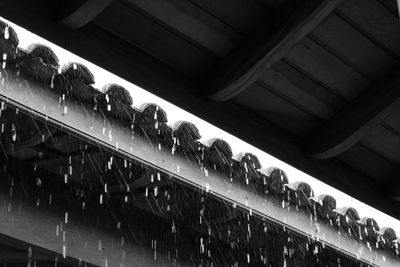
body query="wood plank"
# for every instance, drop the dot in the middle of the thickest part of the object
(263, 49)
(328, 69)
(306, 83)
(84, 14)
(301, 91)
(369, 163)
(135, 28)
(376, 22)
(241, 15)
(355, 120)
(277, 110)
(384, 142)
(193, 22)
(353, 47)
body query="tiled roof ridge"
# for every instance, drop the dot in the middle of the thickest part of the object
(41, 63)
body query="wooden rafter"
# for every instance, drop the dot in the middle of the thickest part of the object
(351, 124)
(247, 64)
(84, 14)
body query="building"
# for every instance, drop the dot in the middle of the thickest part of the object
(314, 84)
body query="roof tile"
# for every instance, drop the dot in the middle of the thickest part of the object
(75, 70)
(186, 134)
(8, 41)
(299, 193)
(218, 154)
(276, 179)
(324, 205)
(39, 62)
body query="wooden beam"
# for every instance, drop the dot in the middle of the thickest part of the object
(186, 18)
(84, 14)
(247, 64)
(351, 124)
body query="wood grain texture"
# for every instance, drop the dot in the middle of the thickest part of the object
(309, 84)
(192, 22)
(329, 70)
(354, 48)
(375, 21)
(355, 120)
(301, 91)
(134, 27)
(242, 15)
(247, 64)
(269, 105)
(84, 14)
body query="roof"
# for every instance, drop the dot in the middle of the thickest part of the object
(308, 80)
(40, 66)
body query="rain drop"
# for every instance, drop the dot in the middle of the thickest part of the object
(6, 33)
(14, 132)
(155, 191)
(52, 82)
(64, 251)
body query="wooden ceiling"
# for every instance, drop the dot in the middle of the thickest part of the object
(314, 83)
